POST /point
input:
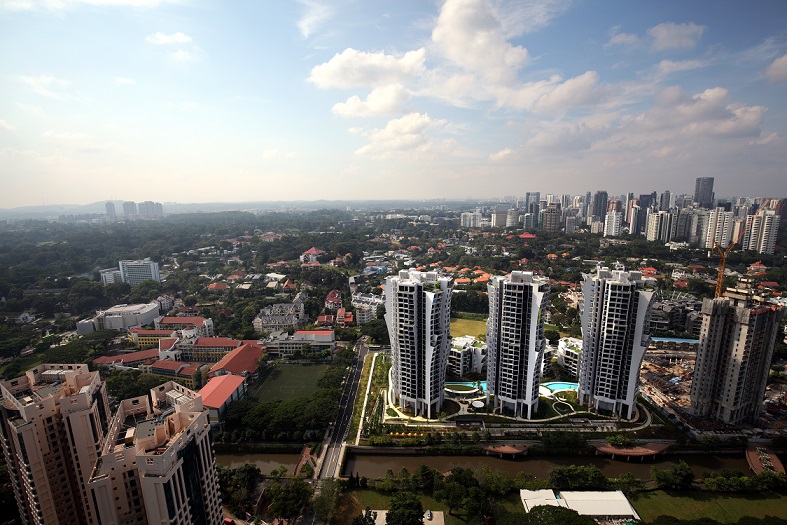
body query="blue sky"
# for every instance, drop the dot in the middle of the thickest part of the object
(194, 101)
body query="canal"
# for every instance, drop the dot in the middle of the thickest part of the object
(265, 462)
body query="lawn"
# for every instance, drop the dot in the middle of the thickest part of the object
(472, 327)
(720, 507)
(287, 381)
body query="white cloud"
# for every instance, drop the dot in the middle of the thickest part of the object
(162, 39)
(381, 101)
(181, 55)
(777, 71)
(315, 15)
(402, 135)
(469, 35)
(675, 36)
(66, 136)
(554, 95)
(501, 155)
(618, 38)
(5, 125)
(518, 17)
(669, 66)
(124, 81)
(46, 86)
(352, 68)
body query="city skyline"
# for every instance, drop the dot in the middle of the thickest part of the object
(312, 100)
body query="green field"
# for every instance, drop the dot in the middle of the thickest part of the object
(472, 327)
(720, 507)
(287, 381)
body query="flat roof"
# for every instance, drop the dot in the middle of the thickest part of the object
(605, 503)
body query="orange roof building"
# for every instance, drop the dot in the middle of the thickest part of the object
(242, 361)
(219, 393)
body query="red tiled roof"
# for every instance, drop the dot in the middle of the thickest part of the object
(313, 251)
(242, 359)
(770, 284)
(219, 390)
(206, 342)
(132, 357)
(167, 343)
(527, 235)
(142, 331)
(217, 286)
(167, 365)
(197, 321)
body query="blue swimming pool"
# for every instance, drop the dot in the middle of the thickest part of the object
(559, 386)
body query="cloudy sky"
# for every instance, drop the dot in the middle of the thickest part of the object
(197, 100)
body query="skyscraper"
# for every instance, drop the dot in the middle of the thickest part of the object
(111, 214)
(762, 229)
(719, 229)
(661, 226)
(703, 192)
(515, 341)
(734, 355)
(614, 332)
(53, 421)
(130, 210)
(600, 205)
(612, 223)
(417, 310)
(552, 218)
(157, 465)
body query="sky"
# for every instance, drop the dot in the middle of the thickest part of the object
(230, 100)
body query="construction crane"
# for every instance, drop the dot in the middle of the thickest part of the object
(724, 253)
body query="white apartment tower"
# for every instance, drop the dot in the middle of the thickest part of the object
(762, 229)
(417, 309)
(612, 224)
(135, 272)
(470, 219)
(515, 341)
(52, 426)
(719, 229)
(614, 339)
(157, 465)
(661, 226)
(734, 355)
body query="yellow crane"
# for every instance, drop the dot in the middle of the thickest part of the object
(724, 253)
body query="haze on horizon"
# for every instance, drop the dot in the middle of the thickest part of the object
(198, 101)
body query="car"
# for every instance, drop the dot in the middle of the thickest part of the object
(428, 514)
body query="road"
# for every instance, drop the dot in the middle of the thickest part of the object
(342, 423)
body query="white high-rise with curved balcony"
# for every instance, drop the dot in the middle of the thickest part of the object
(417, 312)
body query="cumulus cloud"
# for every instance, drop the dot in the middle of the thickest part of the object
(469, 35)
(518, 17)
(124, 81)
(181, 55)
(405, 134)
(5, 125)
(618, 38)
(46, 86)
(554, 95)
(675, 36)
(315, 15)
(777, 71)
(501, 155)
(381, 101)
(670, 66)
(163, 39)
(352, 68)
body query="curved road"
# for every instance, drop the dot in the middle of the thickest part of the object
(338, 433)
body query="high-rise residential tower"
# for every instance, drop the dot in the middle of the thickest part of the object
(515, 341)
(157, 465)
(761, 231)
(52, 426)
(703, 192)
(111, 214)
(734, 355)
(417, 312)
(612, 224)
(614, 330)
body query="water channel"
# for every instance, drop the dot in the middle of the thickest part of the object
(376, 465)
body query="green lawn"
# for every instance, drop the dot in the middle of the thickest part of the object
(287, 381)
(472, 327)
(720, 507)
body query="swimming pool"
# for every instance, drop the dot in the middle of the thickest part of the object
(468, 383)
(559, 386)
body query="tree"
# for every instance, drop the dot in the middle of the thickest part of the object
(548, 515)
(288, 500)
(367, 517)
(677, 477)
(552, 335)
(406, 509)
(452, 494)
(325, 503)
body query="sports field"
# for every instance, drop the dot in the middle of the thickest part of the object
(287, 381)
(472, 327)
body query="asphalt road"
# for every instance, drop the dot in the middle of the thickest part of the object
(342, 423)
